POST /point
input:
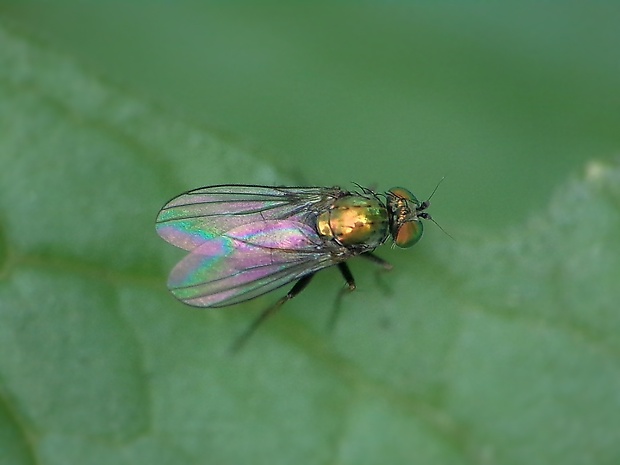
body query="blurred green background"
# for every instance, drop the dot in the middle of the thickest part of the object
(499, 347)
(508, 98)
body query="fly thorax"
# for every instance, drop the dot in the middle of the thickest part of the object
(353, 220)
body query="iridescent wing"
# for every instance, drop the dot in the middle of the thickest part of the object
(244, 240)
(248, 261)
(201, 215)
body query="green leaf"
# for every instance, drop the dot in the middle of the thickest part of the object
(493, 349)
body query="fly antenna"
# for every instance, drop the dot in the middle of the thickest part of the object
(443, 230)
(435, 190)
(429, 217)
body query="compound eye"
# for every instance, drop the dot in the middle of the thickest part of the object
(403, 193)
(408, 234)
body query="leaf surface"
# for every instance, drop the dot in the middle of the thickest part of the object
(497, 348)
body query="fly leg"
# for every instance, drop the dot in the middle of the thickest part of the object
(387, 266)
(297, 288)
(377, 260)
(348, 277)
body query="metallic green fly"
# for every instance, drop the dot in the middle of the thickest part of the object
(247, 240)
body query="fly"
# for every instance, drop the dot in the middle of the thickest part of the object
(245, 241)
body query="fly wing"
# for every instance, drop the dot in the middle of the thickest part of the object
(199, 216)
(248, 261)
